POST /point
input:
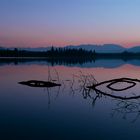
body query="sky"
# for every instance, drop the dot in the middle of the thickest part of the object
(42, 23)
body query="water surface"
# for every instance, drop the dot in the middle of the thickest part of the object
(66, 112)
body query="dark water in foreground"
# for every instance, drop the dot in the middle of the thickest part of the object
(66, 112)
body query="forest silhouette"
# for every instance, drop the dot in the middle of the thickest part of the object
(67, 54)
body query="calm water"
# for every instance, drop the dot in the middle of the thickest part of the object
(66, 112)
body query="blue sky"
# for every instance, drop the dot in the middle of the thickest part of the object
(63, 22)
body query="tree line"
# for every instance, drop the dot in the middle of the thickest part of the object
(67, 53)
(52, 53)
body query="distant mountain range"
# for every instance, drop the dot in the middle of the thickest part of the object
(134, 49)
(106, 48)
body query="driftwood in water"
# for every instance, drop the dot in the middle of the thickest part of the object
(114, 81)
(122, 80)
(36, 83)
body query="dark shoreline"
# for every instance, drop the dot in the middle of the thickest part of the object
(62, 53)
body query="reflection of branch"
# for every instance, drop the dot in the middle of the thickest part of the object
(50, 95)
(116, 80)
(124, 105)
(49, 85)
(72, 84)
(121, 80)
(49, 74)
(49, 98)
(85, 93)
(126, 108)
(113, 96)
(58, 91)
(94, 99)
(113, 81)
(57, 74)
(136, 118)
(85, 80)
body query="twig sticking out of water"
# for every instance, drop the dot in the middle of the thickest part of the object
(49, 74)
(57, 75)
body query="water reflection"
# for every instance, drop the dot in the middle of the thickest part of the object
(85, 63)
(126, 103)
(129, 109)
(69, 109)
(126, 106)
(121, 83)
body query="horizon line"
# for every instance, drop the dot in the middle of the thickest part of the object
(48, 46)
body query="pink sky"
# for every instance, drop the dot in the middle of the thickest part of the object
(42, 23)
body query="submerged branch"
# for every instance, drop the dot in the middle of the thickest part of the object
(36, 83)
(114, 81)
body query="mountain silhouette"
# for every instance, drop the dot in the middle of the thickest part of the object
(105, 48)
(135, 49)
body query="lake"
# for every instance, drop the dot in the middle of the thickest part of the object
(68, 112)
